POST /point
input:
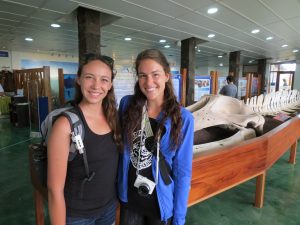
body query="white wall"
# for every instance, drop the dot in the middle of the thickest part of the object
(17, 58)
(297, 76)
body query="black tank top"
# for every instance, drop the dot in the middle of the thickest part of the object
(100, 192)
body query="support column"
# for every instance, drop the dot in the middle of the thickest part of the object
(188, 62)
(88, 32)
(261, 69)
(234, 65)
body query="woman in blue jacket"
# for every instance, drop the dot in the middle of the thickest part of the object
(156, 164)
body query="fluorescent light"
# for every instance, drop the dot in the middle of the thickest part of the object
(211, 35)
(28, 39)
(220, 56)
(283, 46)
(269, 38)
(295, 50)
(55, 25)
(251, 61)
(128, 39)
(162, 41)
(167, 46)
(255, 31)
(212, 10)
(221, 64)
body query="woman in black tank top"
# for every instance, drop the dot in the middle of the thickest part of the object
(75, 197)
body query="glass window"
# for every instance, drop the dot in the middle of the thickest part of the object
(288, 67)
(274, 67)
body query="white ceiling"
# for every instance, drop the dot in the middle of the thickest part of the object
(148, 21)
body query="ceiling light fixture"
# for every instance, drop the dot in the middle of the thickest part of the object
(212, 10)
(199, 50)
(28, 39)
(295, 50)
(221, 64)
(55, 25)
(128, 39)
(167, 46)
(211, 35)
(251, 61)
(269, 38)
(283, 46)
(220, 56)
(162, 41)
(255, 31)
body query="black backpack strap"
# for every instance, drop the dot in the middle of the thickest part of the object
(76, 123)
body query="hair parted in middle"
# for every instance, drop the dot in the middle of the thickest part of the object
(170, 107)
(109, 102)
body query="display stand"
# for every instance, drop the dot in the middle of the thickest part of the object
(35, 83)
(253, 87)
(219, 170)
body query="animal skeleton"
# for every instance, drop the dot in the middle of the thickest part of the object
(287, 101)
(218, 110)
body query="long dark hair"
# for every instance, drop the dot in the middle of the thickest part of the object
(109, 102)
(170, 107)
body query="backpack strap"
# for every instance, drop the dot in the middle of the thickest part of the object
(74, 115)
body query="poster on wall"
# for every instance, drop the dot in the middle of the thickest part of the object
(124, 82)
(69, 86)
(221, 83)
(242, 88)
(254, 88)
(176, 80)
(202, 86)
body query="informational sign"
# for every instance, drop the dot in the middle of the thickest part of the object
(3, 54)
(176, 80)
(202, 86)
(124, 84)
(221, 83)
(242, 87)
(69, 86)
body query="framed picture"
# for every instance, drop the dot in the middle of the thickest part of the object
(66, 86)
(202, 86)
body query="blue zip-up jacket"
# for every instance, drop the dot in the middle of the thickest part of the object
(172, 198)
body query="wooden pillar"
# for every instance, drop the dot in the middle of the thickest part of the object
(214, 80)
(261, 70)
(188, 62)
(88, 32)
(234, 65)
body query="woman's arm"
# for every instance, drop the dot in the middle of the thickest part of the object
(182, 169)
(58, 152)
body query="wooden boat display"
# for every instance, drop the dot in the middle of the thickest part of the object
(218, 170)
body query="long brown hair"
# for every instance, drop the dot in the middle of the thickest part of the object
(170, 107)
(109, 102)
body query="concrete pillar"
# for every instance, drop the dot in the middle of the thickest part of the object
(88, 32)
(234, 65)
(188, 62)
(261, 69)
